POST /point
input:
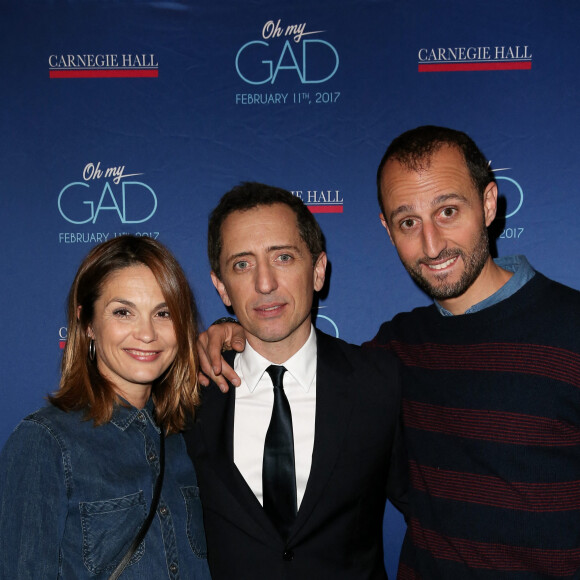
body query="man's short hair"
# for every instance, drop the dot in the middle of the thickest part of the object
(414, 149)
(250, 195)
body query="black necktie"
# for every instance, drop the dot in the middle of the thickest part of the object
(278, 471)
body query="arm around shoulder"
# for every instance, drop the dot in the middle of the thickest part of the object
(210, 345)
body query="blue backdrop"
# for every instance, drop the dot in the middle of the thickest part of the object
(122, 116)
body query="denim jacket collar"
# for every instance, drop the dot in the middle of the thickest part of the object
(123, 415)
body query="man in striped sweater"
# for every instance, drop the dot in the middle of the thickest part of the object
(491, 387)
(491, 399)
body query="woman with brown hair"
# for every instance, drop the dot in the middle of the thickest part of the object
(89, 485)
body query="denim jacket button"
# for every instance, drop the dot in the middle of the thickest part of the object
(173, 568)
(152, 457)
(163, 510)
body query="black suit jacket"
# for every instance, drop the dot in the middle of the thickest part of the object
(338, 530)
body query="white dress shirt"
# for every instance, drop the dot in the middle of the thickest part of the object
(254, 402)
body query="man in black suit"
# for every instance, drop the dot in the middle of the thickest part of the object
(293, 471)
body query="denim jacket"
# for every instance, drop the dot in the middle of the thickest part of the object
(73, 496)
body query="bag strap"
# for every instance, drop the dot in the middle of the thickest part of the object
(154, 503)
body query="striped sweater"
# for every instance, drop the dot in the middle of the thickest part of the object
(491, 406)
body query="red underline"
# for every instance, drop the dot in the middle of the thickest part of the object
(103, 73)
(465, 66)
(325, 208)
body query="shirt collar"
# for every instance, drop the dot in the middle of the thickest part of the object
(301, 365)
(123, 416)
(523, 273)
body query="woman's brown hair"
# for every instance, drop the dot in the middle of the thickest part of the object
(82, 387)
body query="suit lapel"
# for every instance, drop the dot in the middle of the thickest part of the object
(217, 431)
(333, 411)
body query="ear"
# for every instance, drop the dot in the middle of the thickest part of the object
(320, 271)
(490, 202)
(386, 226)
(90, 332)
(219, 286)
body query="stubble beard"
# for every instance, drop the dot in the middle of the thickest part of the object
(473, 262)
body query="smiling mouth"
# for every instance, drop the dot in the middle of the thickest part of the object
(142, 355)
(442, 265)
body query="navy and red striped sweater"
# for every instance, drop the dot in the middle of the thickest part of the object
(491, 406)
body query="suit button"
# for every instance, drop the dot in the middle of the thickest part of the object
(288, 555)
